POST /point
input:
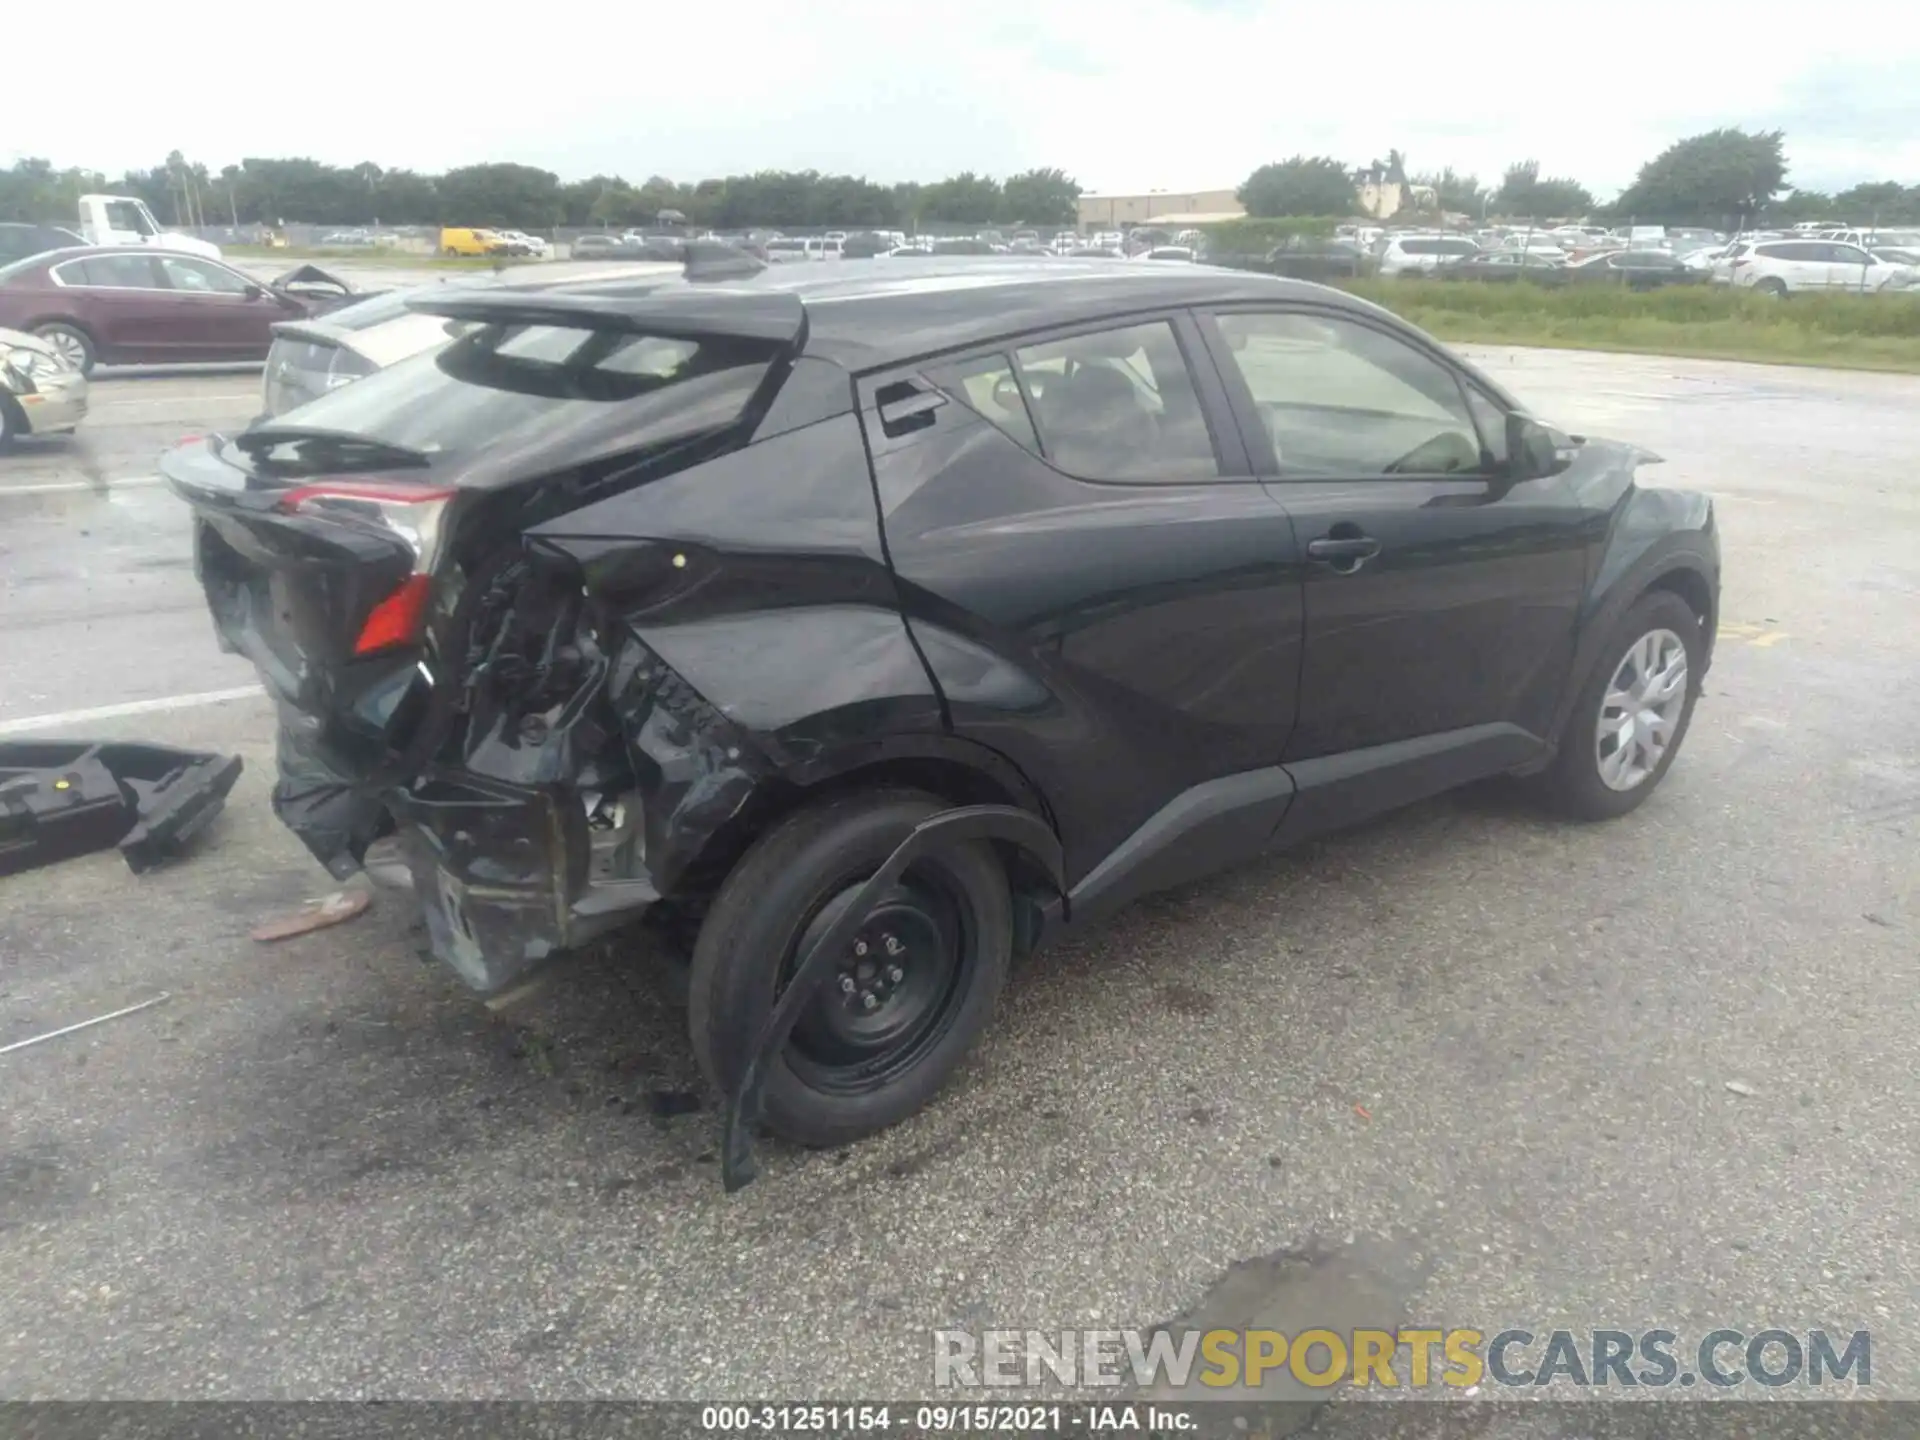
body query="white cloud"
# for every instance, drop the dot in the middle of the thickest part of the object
(1123, 94)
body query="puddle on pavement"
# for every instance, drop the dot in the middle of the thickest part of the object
(1363, 1285)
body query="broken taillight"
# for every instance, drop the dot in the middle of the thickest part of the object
(413, 514)
(397, 619)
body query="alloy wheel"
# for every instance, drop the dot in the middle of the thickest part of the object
(1641, 709)
(71, 349)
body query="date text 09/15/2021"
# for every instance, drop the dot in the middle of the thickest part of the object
(1098, 1419)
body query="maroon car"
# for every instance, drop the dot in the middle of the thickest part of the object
(132, 305)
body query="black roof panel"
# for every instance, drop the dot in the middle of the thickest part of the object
(869, 313)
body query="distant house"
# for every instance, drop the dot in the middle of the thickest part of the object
(1377, 196)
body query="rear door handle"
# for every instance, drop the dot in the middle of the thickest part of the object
(1352, 547)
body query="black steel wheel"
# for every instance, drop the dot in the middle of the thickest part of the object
(908, 997)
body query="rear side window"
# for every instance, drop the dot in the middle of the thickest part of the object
(1119, 405)
(986, 384)
(126, 272)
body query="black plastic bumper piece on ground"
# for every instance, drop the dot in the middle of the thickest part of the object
(1025, 831)
(62, 798)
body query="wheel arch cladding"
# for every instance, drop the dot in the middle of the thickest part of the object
(945, 768)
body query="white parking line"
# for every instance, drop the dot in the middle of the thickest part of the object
(100, 402)
(67, 718)
(70, 487)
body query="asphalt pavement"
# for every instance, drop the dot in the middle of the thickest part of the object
(1658, 1073)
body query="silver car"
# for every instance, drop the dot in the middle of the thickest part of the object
(312, 357)
(40, 393)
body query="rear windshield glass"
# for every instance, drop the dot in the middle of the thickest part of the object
(529, 388)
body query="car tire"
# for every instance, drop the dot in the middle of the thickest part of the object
(1578, 784)
(13, 424)
(71, 340)
(952, 914)
(1773, 287)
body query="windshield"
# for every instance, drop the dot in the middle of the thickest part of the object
(524, 391)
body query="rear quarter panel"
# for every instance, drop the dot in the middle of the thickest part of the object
(782, 613)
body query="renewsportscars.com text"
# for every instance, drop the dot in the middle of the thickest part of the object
(1408, 1358)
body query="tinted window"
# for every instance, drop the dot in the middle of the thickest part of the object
(1340, 398)
(1793, 250)
(986, 384)
(125, 215)
(1119, 405)
(200, 277)
(122, 271)
(1848, 255)
(521, 387)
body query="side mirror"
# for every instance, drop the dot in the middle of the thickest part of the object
(1533, 451)
(253, 292)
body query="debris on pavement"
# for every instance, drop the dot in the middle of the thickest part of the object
(64, 798)
(315, 914)
(1740, 1087)
(163, 996)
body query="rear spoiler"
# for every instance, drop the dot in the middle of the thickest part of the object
(774, 317)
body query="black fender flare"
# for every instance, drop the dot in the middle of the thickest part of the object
(1681, 553)
(1025, 831)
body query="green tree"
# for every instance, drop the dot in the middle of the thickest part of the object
(963, 199)
(1879, 202)
(1717, 178)
(500, 194)
(1461, 194)
(1304, 185)
(1523, 192)
(1040, 197)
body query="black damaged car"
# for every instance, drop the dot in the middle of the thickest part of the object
(884, 626)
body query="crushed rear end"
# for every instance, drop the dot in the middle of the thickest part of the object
(443, 675)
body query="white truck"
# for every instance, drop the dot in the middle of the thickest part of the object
(124, 220)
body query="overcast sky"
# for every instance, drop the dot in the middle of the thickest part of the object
(1125, 95)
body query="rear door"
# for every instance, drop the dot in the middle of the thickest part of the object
(1440, 596)
(120, 299)
(1851, 268)
(1803, 264)
(1102, 591)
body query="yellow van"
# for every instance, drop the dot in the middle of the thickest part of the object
(471, 242)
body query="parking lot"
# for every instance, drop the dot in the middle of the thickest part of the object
(1483, 1056)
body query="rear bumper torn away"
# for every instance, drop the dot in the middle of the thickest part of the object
(63, 798)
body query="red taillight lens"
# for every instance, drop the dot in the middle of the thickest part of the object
(411, 512)
(397, 619)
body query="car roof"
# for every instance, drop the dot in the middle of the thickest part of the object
(80, 252)
(867, 314)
